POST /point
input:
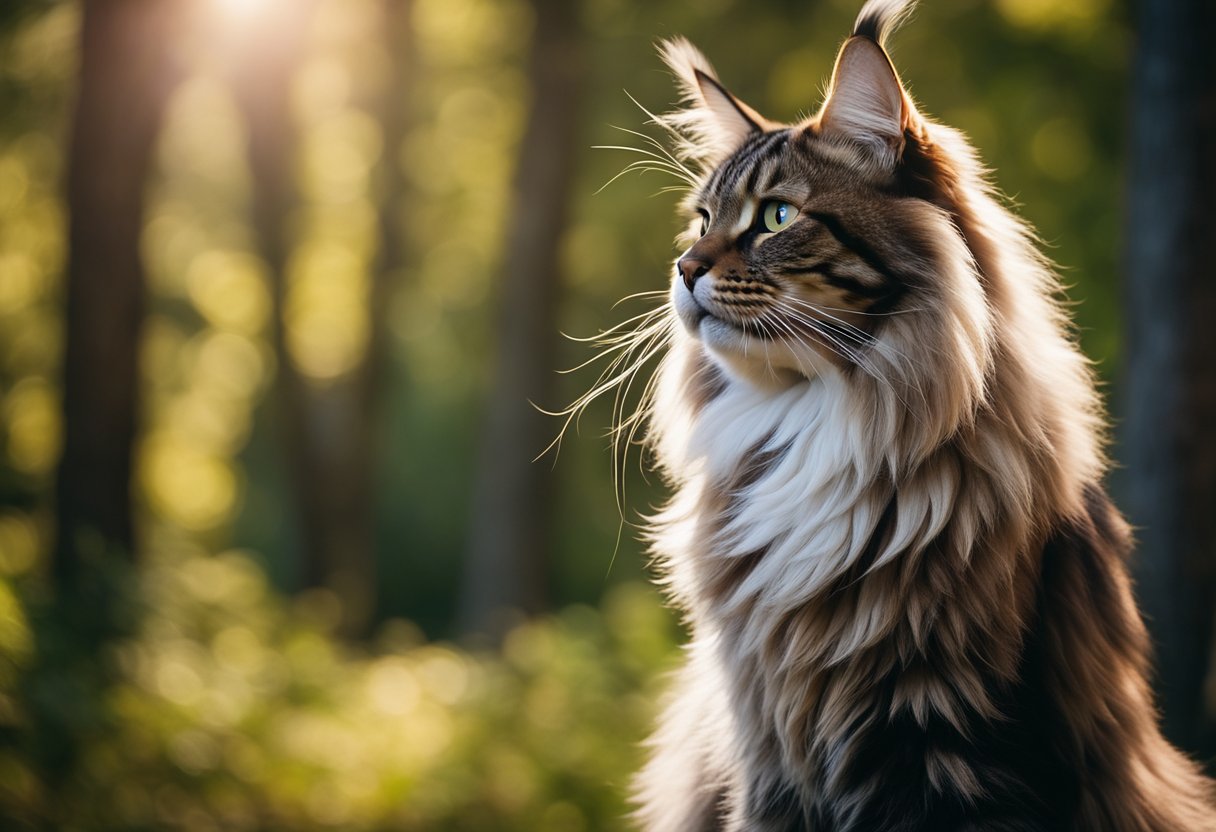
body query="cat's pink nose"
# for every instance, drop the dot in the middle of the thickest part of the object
(692, 268)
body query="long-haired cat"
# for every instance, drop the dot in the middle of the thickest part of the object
(906, 588)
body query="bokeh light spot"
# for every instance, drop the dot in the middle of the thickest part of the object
(230, 364)
(178, 682)
(31, 413)
(196, 490)
(338, 156)
(19, 281)
(392, 687)
(230, 290)
(326, 316)
(444, 675)
(19, 546)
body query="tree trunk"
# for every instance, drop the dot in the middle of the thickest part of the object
(1169, 427)
(509, 543)
(329, 431)
(261, 77)
(369, 378)
(126, 76)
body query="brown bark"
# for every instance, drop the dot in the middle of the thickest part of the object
(508, 552)
(126, 76)
(1169, 428)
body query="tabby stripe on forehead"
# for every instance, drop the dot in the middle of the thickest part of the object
(732, 163)
(729, 174)
(763, 155)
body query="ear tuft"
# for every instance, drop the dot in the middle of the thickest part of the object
(714, 121)
(866, 104)
(879, 18)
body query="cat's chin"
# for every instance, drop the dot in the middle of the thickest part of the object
(743, 356)
(757, 374)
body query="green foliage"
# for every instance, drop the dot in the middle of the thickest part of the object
(228, 708)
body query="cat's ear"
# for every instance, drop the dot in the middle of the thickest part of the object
(866, 103)
(715, 119)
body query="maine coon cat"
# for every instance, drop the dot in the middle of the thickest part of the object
(905, 585)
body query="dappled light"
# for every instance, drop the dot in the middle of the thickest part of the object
(186, 486)
(326, 310)
(229, 290)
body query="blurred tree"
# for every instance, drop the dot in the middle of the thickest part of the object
(509, 544)
(1169, 430)
(395, 122)
(261, 72)
(126, 74)
(329, 428)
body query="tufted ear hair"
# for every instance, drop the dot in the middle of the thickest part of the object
(714, 122)
(866, 103)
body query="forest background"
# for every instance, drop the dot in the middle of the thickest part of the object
(280, 281)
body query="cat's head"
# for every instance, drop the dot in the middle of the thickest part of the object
(810, 244)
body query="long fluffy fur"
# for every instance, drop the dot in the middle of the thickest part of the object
(906, 588)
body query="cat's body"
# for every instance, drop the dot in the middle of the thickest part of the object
(906, 588)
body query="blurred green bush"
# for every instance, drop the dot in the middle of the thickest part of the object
(229, 708)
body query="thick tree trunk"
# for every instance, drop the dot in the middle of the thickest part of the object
(126, 75)
(1169, 427)
(509, 542)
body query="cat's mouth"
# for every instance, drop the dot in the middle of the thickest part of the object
(693, 312)
(712, 325)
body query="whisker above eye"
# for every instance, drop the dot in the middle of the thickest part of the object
(656, 143)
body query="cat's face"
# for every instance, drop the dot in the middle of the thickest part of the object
(800, 239)
(795, 254)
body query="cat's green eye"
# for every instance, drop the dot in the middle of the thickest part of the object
(704, 223)
(778, 216)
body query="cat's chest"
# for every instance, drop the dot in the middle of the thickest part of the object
(775, 498)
